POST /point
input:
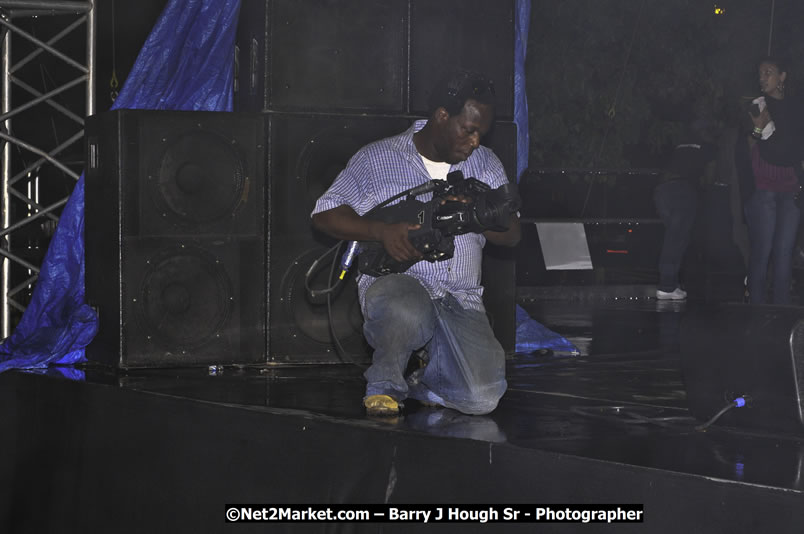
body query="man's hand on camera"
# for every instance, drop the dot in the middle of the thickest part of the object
(394, 238)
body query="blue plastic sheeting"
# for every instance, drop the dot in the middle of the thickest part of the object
(521, 25)
(186, 64)
(187, 61)
(58, 323)
(531, 336)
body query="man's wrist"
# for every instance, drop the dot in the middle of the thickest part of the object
(375, 229)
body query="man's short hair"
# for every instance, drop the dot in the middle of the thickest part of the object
(453, 90)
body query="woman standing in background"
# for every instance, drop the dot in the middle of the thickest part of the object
(769, 163)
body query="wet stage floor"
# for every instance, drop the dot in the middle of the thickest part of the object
(622, 399)
(122, 452)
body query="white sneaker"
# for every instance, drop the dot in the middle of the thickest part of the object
(676, 294)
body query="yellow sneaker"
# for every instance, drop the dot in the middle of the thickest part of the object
(382, 405)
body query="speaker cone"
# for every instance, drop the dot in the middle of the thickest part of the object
(199, 179)
(185, 298)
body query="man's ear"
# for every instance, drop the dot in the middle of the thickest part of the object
(441, 114)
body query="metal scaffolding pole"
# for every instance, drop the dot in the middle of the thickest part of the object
(5, 320)
(29, 208)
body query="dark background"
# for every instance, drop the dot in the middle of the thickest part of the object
(609, 81)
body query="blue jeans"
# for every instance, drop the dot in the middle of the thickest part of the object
(466, 367)
(772, 226)
(676, 203)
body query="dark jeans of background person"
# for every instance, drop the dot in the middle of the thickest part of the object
(676, 203)
(772, 226)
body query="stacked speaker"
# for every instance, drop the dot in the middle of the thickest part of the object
(368, 56)
(175, 237)
(198, 224)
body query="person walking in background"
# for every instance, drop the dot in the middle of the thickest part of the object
(676, 199)
(768, 161)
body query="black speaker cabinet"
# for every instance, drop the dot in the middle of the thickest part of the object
(499, 263)
(175, 237)
(367, 56)
(314, 55)
(735, 350)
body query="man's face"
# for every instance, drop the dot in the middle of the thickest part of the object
(459, 135)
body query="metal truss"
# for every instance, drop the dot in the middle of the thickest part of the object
(34, 160)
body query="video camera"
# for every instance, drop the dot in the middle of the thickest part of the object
(440, 220)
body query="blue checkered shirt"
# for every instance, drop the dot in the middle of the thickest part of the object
(389, 166)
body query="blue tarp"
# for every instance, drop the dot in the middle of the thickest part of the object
(185, 64)
(521, 26)
(531, 336)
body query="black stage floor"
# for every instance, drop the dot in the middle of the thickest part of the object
(166, 450)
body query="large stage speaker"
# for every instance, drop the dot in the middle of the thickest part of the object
(735, 350)
(175, 237)
(314, 55)
(368, 56)
(499, 263)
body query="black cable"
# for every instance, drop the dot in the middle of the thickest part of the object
(739, 402)
(344, 356)
(309, 274)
